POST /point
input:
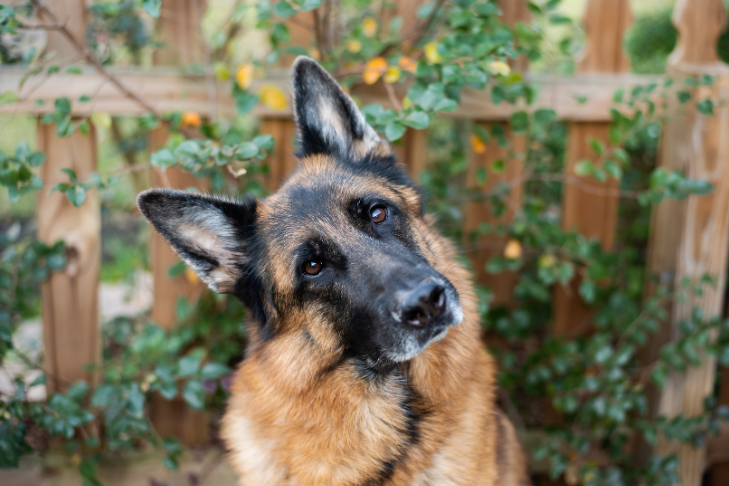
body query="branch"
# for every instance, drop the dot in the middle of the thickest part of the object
(88, 56)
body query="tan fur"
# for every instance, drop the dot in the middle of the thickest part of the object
(294, 420)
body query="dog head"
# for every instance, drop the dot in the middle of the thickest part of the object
(341, 252)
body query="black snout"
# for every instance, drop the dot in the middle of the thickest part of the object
(423, 304)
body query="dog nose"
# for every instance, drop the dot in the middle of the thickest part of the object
(423, 304)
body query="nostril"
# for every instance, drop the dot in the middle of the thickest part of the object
(423, 304)
(438, 298)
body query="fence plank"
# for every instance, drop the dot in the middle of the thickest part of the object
(590, 207)
(476, 213)
(695, 144)
(487, 246)
(69, 299)
(179, 28)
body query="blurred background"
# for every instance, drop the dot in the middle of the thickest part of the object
(574, 149)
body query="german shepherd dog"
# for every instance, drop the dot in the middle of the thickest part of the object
(364, 365)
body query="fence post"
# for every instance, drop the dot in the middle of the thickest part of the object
(69, 298)
(689, 239)
(584, 208)
(476, 213)
(180, 29)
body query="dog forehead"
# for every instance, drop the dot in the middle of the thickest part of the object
(317, 196)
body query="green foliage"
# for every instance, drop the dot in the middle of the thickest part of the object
(596, 380)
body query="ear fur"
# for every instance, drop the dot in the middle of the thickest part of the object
(328, 120)
(211, 234)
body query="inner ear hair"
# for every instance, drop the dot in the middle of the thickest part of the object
(211, 234)
(327, 118)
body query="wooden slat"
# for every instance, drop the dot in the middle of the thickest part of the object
(168, 90)
(282, 162)
(412, 151)
(69, 299)
(180, 30)
(590, 207)
(487, 246)
(697, 145)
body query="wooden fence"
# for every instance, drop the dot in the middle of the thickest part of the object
(687, 239)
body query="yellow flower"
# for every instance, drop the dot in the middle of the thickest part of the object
(314, 53)
(546, 261)
(392, 74)
(512, 250)
(354, 46)
(191, 119)
(375, 69)
(273, 97)
(407, 64)
(499, 67)
(102, 120)
(407, 103)
(477, 144)
(369, 27)
(431, 53)
(191, 276)
(221, 72)
(244, 76)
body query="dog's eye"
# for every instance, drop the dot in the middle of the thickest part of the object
(378, 213)
(313, 267)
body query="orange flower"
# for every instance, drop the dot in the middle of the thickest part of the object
(407, 64)
(477, 144)
(512, 250)
(191, 119)
(375, 69)
(191, 276)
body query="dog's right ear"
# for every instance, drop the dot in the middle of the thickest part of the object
(211, 234)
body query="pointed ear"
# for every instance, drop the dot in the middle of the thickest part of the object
(327, 119)
(211, 234)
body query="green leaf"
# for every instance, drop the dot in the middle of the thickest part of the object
(519, 122)
(705, 107)
(246, 150)
(683, 96)
(307, 5)
(284, 9)
(498, 166)
(394, 130)
(446, 105)
(194, 394)
(418, 120)
(212, 371)
(74, 70)
(244, 101)
(163, 158)
(8, 97)
(84, 98)
(584, 168)
(63, 105)
(597, 146)
(77, 195)
(264, 142)
(37, 159)
(188, 366)
(152, 7)
(77, 391)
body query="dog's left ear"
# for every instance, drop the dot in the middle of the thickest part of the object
(328, 120)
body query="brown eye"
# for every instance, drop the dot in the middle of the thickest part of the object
(378, 213)
(313, 267)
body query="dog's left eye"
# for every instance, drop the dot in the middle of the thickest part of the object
(378, 213)
(313, 267)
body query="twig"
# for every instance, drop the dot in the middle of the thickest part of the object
(393, 99)
(88, 56)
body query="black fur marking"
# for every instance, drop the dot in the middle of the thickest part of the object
(415, 412)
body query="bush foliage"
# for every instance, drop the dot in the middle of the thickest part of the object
(573, 397)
